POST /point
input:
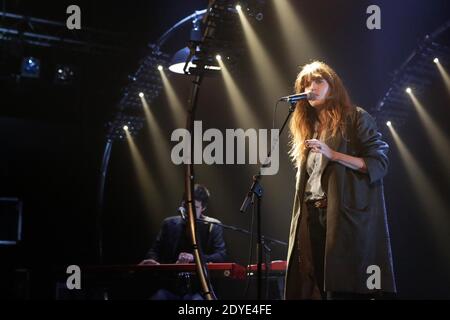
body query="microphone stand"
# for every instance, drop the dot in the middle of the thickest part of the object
(256, 190)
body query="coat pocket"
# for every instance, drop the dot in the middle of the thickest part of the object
(357, 195)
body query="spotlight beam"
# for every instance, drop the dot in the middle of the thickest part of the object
(150, 193)
(299, 45)
(437, 138)
(242, 111)
(161, 147)
(174, 101)
(271, 80)
(427, 195)
(444, 74)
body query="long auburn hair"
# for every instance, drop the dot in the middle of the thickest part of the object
(337, 106)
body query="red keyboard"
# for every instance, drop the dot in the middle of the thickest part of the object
(227, 270)
(274, 267)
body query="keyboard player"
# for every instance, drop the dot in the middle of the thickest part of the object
(173, 245)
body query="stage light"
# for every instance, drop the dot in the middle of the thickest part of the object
(179, 61)
(31, 67)
(64, 74)
(444, 74)
(238, 8)
(123, 125)
(160, 67)
(141, 94)
(218, 57)
(408, 90)
(389, 123)
(183, 56)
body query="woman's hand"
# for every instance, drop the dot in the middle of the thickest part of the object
(351, 162)
(320, 147)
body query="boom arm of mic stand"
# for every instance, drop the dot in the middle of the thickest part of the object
(244, 231)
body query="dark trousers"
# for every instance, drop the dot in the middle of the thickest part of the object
(317, 224)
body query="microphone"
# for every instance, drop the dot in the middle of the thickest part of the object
(299, 96)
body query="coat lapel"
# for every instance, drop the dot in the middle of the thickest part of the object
(334, 143)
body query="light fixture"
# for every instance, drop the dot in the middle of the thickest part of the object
(31, 67)
(182, 56)
(179, 61)
(408, 90)
(64, 74)
(389, 123)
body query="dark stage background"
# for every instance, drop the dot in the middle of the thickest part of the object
(52, 137)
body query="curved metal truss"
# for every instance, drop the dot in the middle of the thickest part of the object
(417, 72)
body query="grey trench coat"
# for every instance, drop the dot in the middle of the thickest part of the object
(357, 236)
